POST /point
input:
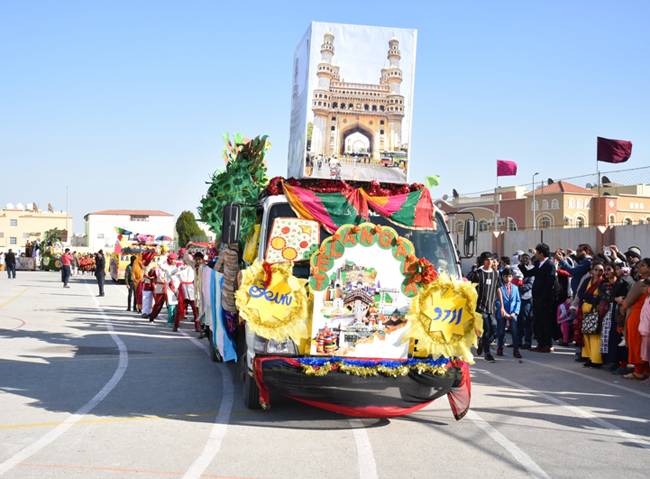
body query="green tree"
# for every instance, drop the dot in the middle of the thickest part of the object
(188, 230)
(54, 235)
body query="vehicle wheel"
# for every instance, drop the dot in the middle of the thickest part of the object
(250, 392)
(214, 354)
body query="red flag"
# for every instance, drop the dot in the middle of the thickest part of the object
(506, 168)
(614, 151)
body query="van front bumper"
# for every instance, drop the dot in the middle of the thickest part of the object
(380, 395)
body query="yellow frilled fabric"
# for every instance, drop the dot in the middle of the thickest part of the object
(278, 311)
(443, 320)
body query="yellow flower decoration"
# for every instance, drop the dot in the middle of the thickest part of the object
(278, 310)
(444, 321)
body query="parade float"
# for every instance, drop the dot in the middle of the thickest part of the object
(350, 296)
(132, 244)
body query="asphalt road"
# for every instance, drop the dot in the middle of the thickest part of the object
(88, 390)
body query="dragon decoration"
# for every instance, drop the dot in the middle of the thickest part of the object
(241, 182)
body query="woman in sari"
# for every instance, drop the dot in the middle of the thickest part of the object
(607, 316)
(589, 301)
(632, 305)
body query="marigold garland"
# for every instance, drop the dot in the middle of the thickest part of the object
(364, 368)
(433, 343)
(295, 324)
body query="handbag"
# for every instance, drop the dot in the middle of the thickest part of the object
(590, 323)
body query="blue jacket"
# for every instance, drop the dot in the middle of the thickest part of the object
(577, 271)
(511, 303)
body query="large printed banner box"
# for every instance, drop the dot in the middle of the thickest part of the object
(352, 103)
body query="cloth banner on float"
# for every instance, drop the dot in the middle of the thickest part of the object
(206, 303)
(351, 206)
(220, 338)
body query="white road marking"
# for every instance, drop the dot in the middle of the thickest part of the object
(213, 444)
(51, 436)
(591, 378)
(520, 456)
(365, 456)
(574, 410)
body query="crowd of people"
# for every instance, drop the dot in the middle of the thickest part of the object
(597, 303)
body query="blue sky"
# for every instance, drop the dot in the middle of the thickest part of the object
(127, 102)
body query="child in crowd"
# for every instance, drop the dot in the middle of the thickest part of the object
(563, 316)
(508, 305)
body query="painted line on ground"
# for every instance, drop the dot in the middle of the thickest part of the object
(121, 470)
(107, 420)
(575, 410)
(591, 378)
(365, 455)
(13, 298)
(220, 426)
(52, 435)
(533, 469)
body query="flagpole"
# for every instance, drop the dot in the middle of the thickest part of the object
(497, 206)
(597, 212)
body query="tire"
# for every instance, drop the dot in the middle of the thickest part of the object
(214, 354)
(249, 389)
(250, 393)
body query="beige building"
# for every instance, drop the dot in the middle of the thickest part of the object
(21, 223)
(558, 205)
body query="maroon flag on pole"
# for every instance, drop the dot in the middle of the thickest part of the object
(506, 168)
(614, 151)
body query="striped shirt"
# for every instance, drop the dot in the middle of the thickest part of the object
(488, 283)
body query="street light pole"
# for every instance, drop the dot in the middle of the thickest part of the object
(534, 205)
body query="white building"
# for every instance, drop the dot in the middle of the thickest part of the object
(101, 226)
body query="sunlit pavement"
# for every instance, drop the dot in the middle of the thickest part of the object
(90, 390)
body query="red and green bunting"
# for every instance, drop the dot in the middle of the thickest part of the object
(350, 206)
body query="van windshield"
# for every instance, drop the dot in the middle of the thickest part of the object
(435, 245)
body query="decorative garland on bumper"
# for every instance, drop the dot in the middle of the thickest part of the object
(372, 367)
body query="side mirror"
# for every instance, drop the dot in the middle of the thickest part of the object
(230, 227)
(469, 238)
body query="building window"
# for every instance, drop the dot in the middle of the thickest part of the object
(482, 225)
(334, 118)
(555, 205)
(612, 219)
(627, 221)
(2, 235)
(512, 224)
(381, 107)
(381, 132)
(13, 240)
(544, 204)
(100, 235)
(13, 222)
(366, 107)
(374, 107)
(534, 206)
(350, 106)
(139, 218)
(572, 203)
(580, 222)
(641, 221)
(587, 204)
(333, 128)
(567, 221)
(342, 106)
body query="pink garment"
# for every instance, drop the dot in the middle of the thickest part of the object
(644, 329)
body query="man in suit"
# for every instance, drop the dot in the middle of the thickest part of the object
(10, 262)
(100, 270)
(545, 275)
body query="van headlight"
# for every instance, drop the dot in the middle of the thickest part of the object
(271, 346)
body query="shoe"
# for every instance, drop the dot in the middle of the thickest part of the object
(541, 349)
(479, 350)
(175, 329)
(527, 346)
(128, 309)
(638, 377)
(587, 364)
(150, 319)
(621, 371)
(499, 351)
(489, 358)
(516, 354)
